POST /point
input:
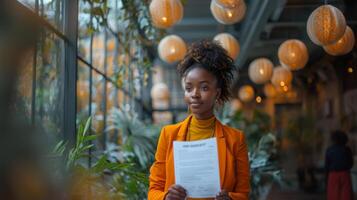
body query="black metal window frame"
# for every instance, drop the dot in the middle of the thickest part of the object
(70, 68)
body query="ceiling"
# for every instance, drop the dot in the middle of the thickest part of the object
(266, 25)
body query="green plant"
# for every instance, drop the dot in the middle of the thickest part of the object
(103, 179)
(137, 145)
(138, 140)
(129, 23)
(264, 165)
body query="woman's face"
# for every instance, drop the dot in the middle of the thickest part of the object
(201, 92)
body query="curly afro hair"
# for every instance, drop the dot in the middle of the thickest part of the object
(210, 55)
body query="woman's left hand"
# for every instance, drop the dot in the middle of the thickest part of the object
(222, 195)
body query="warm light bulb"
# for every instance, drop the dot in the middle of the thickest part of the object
(172, 50)
(285, 88)
(258, 99)
(229, 14)
(350, 70)
(340, 41)
(261, 71)
(164, 19)
(282, 83)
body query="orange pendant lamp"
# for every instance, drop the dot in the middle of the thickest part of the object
(293, 54)
(165, 13)
(282, 76)
(343, 46)
(229, 43)
(326, 25)
(228, 15)
(246, 93)
(260, 70)
(160, 91)
(172, 48)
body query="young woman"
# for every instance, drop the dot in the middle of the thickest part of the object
(338, 163)
(207, 72)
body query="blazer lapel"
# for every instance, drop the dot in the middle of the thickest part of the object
(181, 135)
(222, 150)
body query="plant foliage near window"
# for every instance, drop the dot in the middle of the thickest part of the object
(128, 21)
(138, 140)
(117, 173)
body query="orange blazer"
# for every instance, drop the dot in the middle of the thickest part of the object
(232, 153)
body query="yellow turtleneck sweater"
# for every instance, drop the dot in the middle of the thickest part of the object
(199, 130)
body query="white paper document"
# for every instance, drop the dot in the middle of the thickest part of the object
(197, 168)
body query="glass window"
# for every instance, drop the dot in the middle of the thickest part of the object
(111, 103)
(83, 92)
(98, 105)
(24, 87)
(112, 64)
(29, 3)
(49, 82)
(50, 10)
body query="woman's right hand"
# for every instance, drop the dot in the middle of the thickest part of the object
(176, 192)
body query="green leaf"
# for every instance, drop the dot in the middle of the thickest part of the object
(60, 147)
(89, 121)
(90, 138)
(85, 148)
(100, 165)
